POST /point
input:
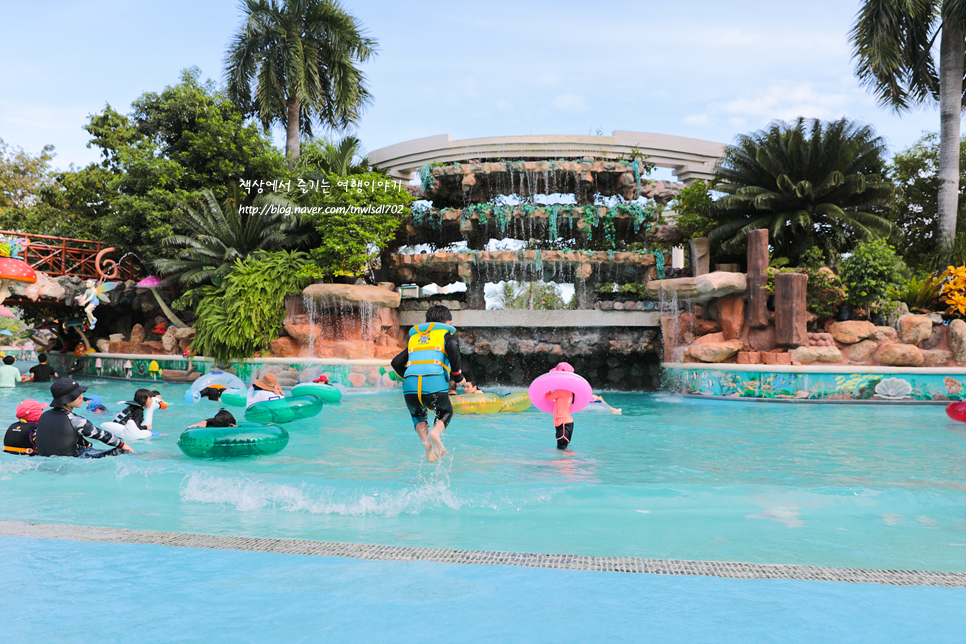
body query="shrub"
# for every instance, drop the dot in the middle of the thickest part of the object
(871, 271)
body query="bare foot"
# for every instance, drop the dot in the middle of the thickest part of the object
(430, 452)
(438, 448)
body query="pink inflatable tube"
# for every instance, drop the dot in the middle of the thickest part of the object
(560, 380)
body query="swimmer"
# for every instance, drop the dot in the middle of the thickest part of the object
(222, 419)
(60, 432)
(9, 374)
(21, 437)
(213, 392)
(94, 404)
(429, 362)
(135, 410)
(265, 389)
(616, 411)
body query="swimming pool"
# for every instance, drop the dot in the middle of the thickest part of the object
(858, 486)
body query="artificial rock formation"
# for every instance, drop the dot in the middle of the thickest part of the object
(698, 290)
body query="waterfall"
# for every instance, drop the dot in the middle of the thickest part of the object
(312, 311)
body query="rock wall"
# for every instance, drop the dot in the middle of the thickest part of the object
(626, 359)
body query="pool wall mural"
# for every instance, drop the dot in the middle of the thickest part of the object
(357, 374)
(884, 384)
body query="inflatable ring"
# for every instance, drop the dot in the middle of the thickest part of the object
(248, 439)
(226, 380)
(234, 397)
(957, 411)
(513, 403)
(283, 410)
(476, 403)
(325, 393)
(560, 380)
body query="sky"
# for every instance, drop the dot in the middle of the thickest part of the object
(705, 69)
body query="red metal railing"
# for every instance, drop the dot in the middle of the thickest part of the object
(59, 256)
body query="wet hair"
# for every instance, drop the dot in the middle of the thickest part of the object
(154, 392)
(468, 378)
(42, 358)
(438, 313)
(141, 396)
(9, 360)
(222, 419)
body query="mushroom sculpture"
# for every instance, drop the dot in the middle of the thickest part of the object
(152, 282)
(13, 269)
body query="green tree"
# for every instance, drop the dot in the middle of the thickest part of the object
(174, 145)
(532, 296)
(353, 218)
(809, 182)
(871, 272)
(303, 57)
(914, 172)
(222, 235)
(694, 207)
(22, 175)
(892, 42)
(342, 158)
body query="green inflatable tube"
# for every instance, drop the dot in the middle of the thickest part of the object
(283, 410)
(234, 397)
(248, 439)
(325, 393)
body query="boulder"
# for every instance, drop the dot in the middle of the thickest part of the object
(44, 288)
(935, 357)
(886, 333)
(956, 334)
(715, 351)
(185, 333)
(350, 294)
(862, 351)
(935, 339)
(913, 329)
(749, 357)
(710, 338)
(170, 342)
(137, 335)
(808, 355)
(852, 331)
(700, 289)
(899, 355)
(731, 316)
(103, 345)
(284, 347)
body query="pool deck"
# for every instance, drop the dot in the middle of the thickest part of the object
(732, 570)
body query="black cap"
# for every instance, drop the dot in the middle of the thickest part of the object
(64, 391)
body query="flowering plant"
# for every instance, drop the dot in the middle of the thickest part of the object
(953, 291)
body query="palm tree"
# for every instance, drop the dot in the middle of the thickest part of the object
(334, 158)
(222, 235)
(302, 55)
(892, 41)
(809, 182)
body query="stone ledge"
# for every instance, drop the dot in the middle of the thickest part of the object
(560, 319)
(814, 368)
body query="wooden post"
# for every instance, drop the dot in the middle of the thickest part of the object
(757, 278)
(790, 326)
(700, 256)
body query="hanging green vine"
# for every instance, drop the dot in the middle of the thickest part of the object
(552, 213)
(426, 178)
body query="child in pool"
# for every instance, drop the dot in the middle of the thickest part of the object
(135, 409)
(616, 411)
(563, 422)
(222, 419)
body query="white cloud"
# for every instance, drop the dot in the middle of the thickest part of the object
(569, 103)
(696, 119)
(787, 101)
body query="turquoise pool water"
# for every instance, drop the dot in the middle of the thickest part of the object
(145, 593)
(852, 486)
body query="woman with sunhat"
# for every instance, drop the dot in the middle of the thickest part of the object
(60, 432)
(266, 388)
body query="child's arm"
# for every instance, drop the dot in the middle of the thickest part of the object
(203, 423)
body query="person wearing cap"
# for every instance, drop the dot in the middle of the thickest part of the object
(266, 388)
(94, 403)
(429, 362)
(60, 432)
(21, 437)
(9, 374)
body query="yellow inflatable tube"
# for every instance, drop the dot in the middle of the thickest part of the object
(513, 403)
(476, 403)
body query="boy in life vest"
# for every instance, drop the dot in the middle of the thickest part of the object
(21, 437)
(429, 362)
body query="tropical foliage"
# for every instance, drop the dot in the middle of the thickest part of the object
(342, 158)
(809, 182)
(915, 174)
(533, 296)
(245, 313)
(302, 57)
(893, 44)
(871, 272)
(224, 234)
(693, 207)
